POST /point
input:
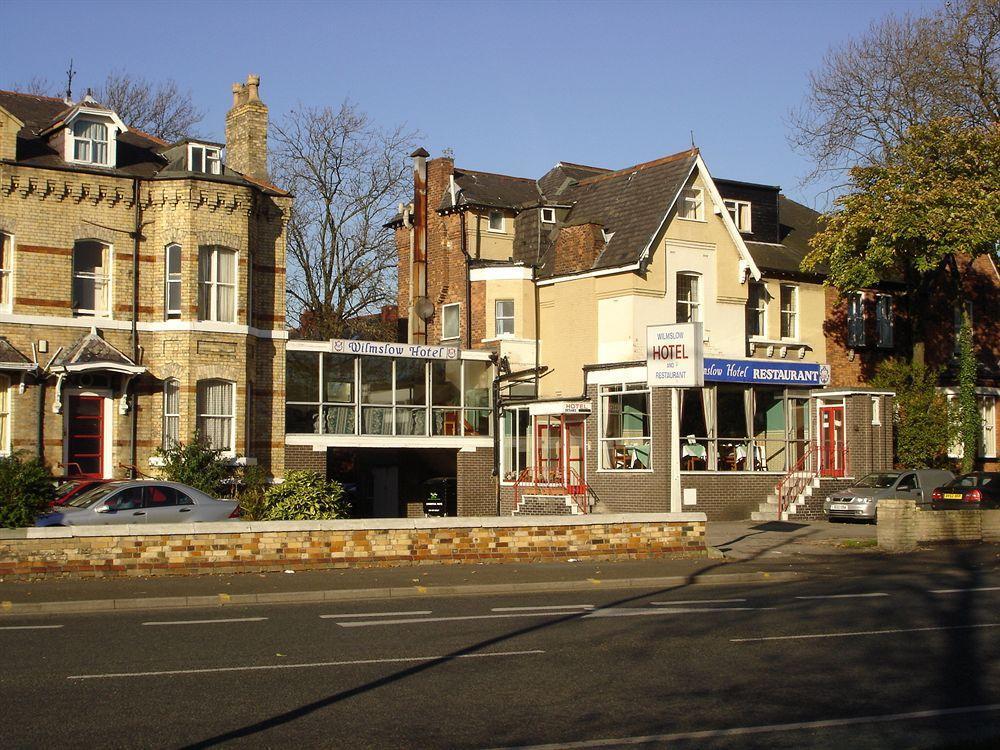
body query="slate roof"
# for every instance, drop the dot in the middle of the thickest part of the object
(92, 349)
(797, 224)
(11, 358)
(491, 190)
(139, 154)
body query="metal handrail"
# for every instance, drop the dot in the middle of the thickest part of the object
(577, 488)
(798, 478)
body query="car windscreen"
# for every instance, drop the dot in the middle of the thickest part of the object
(64, 488)
(969, 480)
(88, 498)
(878, 481)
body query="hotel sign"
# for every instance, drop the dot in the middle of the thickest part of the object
(675, 356)
(390, 349)
(766, 372)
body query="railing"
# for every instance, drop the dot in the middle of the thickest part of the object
(797, 478)
(576, 488)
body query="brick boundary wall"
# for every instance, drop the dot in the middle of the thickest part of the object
(902, 525)
(240, 547)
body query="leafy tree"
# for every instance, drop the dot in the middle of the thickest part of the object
(936, 195)
(969, 426)
(903, 71)
(197, 465)
(305, 496)
(921, 421)
(27, 488)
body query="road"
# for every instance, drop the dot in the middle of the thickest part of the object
(875, 661)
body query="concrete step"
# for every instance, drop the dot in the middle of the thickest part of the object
(761, 515)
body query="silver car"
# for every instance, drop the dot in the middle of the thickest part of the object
(860, 501)
(140, 502)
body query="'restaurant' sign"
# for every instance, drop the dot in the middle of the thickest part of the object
(675, 356)
(766, 371)
(389, 349)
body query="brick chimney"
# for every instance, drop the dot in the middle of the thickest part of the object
(246, 130)
(577, 247)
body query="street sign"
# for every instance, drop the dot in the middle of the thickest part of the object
(675, 356)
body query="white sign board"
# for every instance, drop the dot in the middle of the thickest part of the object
(390, 349)
(675, 356)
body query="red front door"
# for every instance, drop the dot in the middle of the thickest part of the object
(85, 436)
(832, 448)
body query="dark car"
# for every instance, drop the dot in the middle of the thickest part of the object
(978, 490)
(69, 487)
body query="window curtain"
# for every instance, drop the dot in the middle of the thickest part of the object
(708, 405)
(748, 414)
(204, 283)
(227, 286)
(216, 413)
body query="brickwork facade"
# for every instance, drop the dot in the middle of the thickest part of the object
(476, 483)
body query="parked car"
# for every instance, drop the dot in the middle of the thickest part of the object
(860, 501)
(974, 491)
(69, 487)
(139, 502)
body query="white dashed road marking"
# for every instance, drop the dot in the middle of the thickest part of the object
(207, 622)
(862, 632)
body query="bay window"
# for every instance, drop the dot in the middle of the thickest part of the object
(626, 432)
(217, 284)
(505, 317)
(91, 278)
(217, 413)
(172, 282)
(171, 413)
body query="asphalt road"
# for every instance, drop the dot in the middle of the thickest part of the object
(880, 661)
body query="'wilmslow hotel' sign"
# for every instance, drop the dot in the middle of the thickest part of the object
(390, 349)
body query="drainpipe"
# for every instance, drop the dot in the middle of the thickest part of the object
(468, 283)
(40, 377)
(136, 238)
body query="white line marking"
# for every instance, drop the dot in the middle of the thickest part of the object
(366, 623)
(637, 612)
(761, 729)
(30, 627)
(863, 632)
(207, 622)
(957, 591)
(702, 601)
(844, 596)
(550, 606)
(358, 662)
(376, 614)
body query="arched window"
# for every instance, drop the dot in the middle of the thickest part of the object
(90, 142)
(172, 281)
(688, 298)
(217, 413)
(91, 278)
(217, 284)
(171, 413)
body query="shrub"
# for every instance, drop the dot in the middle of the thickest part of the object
(197, 465)
(250, 490)
(922, 425)
(305, 496)
(27, 488)
(968, 426)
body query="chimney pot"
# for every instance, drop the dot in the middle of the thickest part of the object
(253, 84)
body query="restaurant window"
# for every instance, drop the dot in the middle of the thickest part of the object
(478, 387)
(446, 397)
(337, 378)
(505, 317)
(172, 281)
(5, 415)
(91, 278)
(217, 284)
(789, 311)
(217, 413)
(626, 432)
(688, 298)
(518, 444)
(884, 320)
(757, 309)
(6, 271)
(376, 396)
(410, 392)
(171, 413)
(450, 321)
(856, 321)
(692, 204)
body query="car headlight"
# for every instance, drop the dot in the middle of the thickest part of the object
(829, 499)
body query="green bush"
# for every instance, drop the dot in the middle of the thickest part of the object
(968, 426)
(305, 496)
(923, 428)
(250, 490)
(197, 465)
(27, 488)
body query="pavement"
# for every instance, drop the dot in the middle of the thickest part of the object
(895, 651)
(745, 552)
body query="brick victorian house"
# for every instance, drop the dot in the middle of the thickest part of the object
(141, 287)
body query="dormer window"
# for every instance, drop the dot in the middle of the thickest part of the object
(739, 211)
(205, 159)
(548, 216)
(90, 142)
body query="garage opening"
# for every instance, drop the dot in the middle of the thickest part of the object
(396, 482)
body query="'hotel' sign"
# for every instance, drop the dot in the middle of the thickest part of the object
(390, 349)
(675, 356)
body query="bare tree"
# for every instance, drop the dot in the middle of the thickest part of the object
(904, 71)
(346, 175)
(38, 86)
(160, 109)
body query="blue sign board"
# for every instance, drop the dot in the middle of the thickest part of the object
(766, 372)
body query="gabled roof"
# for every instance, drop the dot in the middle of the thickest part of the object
(12, 359)
(92, 352)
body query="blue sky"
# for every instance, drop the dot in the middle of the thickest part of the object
(511, 87)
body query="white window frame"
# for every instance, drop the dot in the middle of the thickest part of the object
(213, 283)
(694, 306)
(503, 222)
(760, 310)
(445, 311)
(888, 316)
(551, 213)
(520, 415)
(605, 391)
(106, 277)
(498, 318)
(89, 143)
(168, 440)
(209, 155)
(738, 211)
(988, 416)
(691, 200)
(230, 450)
(6, 426)
(171, 278)
(6, 272)
(792, 312)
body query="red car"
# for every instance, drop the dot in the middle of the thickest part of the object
(973, 491)
(69, 487)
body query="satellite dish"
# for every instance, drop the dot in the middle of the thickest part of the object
(423, 308)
